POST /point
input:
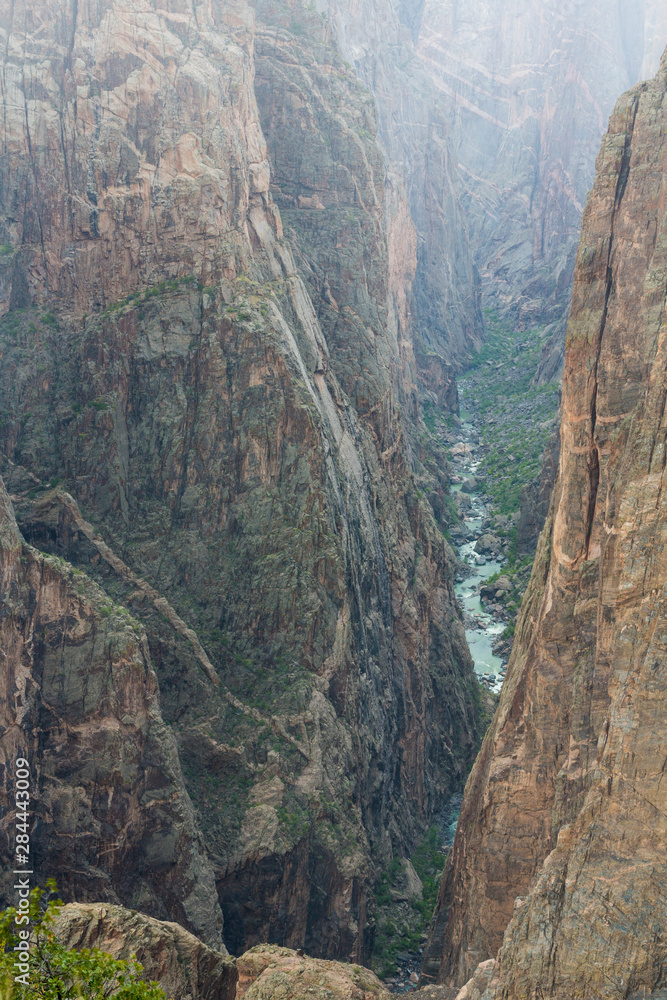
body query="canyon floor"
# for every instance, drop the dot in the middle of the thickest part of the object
(495, 451)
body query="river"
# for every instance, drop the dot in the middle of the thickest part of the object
(482, 628)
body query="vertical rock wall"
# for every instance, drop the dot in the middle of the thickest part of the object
(562, 836)
(240, 468)
(530, 88)
(110, 817)
(378, 37)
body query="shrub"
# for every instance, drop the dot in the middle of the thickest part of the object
(55, 972)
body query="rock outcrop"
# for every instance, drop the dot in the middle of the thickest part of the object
(177, 423)
(267, 971)
(536, 496)
(187, 969)
(531, 87)
(562, 836)
(180, 963)
(80, 700)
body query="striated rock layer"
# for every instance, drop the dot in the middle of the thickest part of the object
(562, 837)
(177, 422)
(530, 87)
(80, 700)
(426, 226)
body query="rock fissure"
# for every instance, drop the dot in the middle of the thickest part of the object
(584, 735)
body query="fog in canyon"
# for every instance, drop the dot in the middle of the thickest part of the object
(332, 529)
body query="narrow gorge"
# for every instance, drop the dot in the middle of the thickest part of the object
(316, 527)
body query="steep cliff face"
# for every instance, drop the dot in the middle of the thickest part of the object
(378, 37)
(329, 180)
(536, 496)
(565, 807)
(80, 699)
(162, 362)
(530, 87)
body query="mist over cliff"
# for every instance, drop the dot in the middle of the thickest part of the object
(530, 88)
(250, 251)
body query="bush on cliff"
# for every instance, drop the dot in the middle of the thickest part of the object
(53, 971)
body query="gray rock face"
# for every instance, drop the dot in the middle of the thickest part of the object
(245, 465)
(530, 87)
(112, 818)
(377, 37)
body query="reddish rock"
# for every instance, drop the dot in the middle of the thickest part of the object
(561, 841)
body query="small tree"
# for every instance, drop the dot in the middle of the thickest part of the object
(57, 973)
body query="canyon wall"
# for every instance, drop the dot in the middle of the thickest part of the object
(562, 836)
(80, 701)
(206, 419)
(378, 38)
(530, 87)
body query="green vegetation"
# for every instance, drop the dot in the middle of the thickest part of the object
(517, 415)
(402, 926)
(294, 817)
(517, 418)
(53, 971)
(272, 684)
(429, 862)
(153, 291)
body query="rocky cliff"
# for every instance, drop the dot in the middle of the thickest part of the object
(530, 88)
(179, 425)
(187, 969)
(184, 966)
(426, 225)
(80, 700)
(562, 835)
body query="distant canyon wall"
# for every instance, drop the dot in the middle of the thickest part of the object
(378, 38)
(529, 87)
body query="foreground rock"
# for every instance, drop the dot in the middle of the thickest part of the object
(185, 968)
(267, 972)
(561, 840)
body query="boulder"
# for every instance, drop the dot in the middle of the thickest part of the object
(268, 971)
(487, 544)
(184, 966)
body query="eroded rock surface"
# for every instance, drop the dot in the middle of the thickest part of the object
(112, 819)
(244, 478)
(531, 87)
(267, 971)
(184, 966)
(426, 228)
(562, 835)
